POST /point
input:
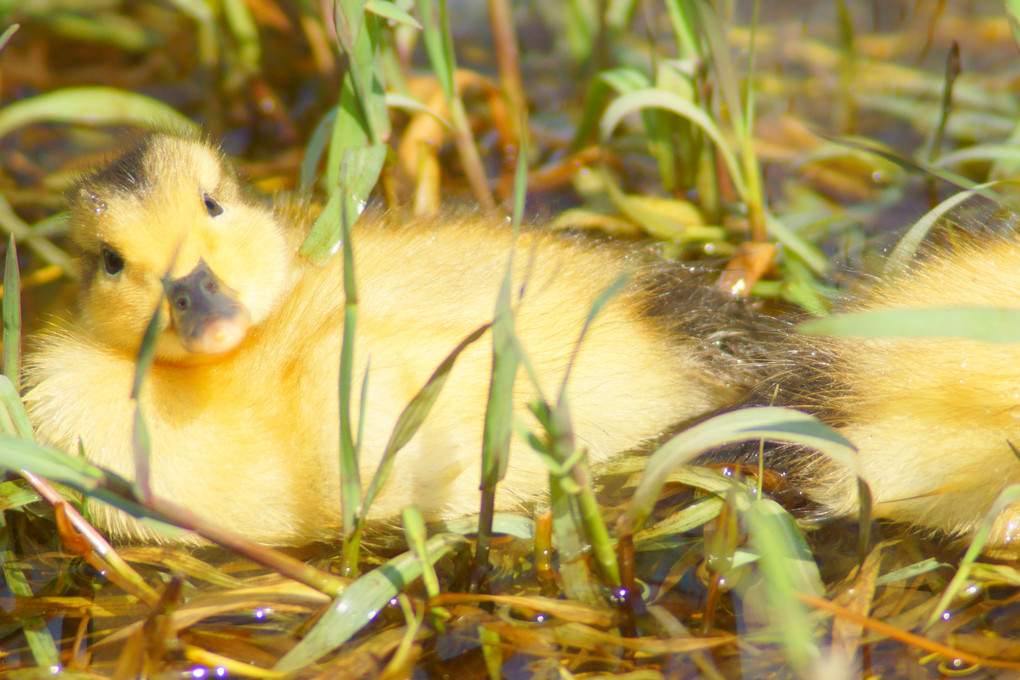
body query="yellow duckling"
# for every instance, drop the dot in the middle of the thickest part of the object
(241, 403)
(935, 419)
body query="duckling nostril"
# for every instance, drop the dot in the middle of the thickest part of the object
(182, 302)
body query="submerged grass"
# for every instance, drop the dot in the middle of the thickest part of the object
(699, 576)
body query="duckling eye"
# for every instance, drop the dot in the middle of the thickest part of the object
(211, 206)
(113, 263)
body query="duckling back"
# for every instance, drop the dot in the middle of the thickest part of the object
(241, 403)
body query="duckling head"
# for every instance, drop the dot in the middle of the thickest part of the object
(170, 225)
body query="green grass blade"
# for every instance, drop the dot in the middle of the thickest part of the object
(15, 409)
(1008, 496)
(8, 33)
(905, 250)
(361, 602)
(438, 43)
(12, 316)
(811, 255)
(502, 523)
(390, 12)
(141, 448)
(14, 225)
(73, 471)
(395, 100)
(769, 423)
(350, 476)
(439, 46)
(974, 323)
(499, 409)
(665, 533)
(506, 359)
(314, 150)
(634, 102)
(349, 131)
(568, 528)
(788, 568)
(619, 80)
(358, 34)
(15, 495)
(414, 532)
(359, 171)
(92, 106)
(202, 12)
(242, 26)
(1013, 14)
(40, 641)
(683, 19)
(413, 416)
(140, 444)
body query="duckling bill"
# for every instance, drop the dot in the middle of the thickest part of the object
(241, 401)
(205, 313)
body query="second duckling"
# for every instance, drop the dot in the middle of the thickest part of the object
(936, 420)
(241, 403)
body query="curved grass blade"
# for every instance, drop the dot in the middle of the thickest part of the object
(20, 454)
(8, 33)
(979, 152)
(92, 106)
(395, 100)
(35, 239)
(771, 423)
(389, 11)
(651, 98)
(361, 601)
(911, 241)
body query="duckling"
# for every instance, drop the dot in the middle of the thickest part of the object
(241, 401)
(935, 419)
